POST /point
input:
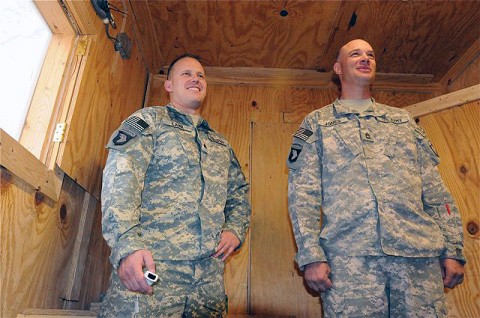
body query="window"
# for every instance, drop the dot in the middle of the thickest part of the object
(24, 40)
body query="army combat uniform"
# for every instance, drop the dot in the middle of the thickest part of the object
(385, 210)
(171, 187)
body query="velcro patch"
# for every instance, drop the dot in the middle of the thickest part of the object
(136, 123)
(176, 125)
(420, 130)
(122, 137)
(216, 140)
(330, 123)
(393, 120)
(295, 151)
(303, 134)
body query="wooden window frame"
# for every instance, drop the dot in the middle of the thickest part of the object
(33, 157)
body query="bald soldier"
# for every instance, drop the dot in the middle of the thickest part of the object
(174, 203)
(391, 235)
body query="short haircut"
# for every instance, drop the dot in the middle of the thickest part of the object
(178, 58)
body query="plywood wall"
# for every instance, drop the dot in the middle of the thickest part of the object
(110, 89)
(259, 120)
(41, 249)
(52, 253)
(455, 134)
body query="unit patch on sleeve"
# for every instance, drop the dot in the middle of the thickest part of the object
(294, 152)
(302, 134)
(122, 137)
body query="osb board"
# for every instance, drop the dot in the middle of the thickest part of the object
(455, 133)
(111, 88)
(276, 285)
(38, 237)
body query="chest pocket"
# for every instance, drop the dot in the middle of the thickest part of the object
(341, 144)
(216, 154)
(174, 148)
(400, 147)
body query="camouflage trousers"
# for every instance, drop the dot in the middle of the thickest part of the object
(184, 289)
(385, 286)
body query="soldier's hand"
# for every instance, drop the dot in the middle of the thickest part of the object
(228, 243)
(452, 272)
(130, 271)
(316, 276)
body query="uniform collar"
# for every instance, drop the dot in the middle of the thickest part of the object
(183, 118)
(341, 110)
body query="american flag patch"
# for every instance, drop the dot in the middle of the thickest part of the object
(303, 134)
(136, 123)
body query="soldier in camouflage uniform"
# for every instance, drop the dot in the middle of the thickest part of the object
(390, 231)
(174, 202)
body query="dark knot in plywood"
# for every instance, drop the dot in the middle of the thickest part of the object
(472, 227)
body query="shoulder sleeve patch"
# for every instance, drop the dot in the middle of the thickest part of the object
(302, 134)
(136, 123)
(295, 151)
(122, 136)
(130, 128)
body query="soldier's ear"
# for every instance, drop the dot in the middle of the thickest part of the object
(168, 85)
(337, 68)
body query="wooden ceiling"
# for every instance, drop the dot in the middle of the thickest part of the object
(410, 37)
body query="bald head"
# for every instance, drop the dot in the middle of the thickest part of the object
(356, 67)
(352, 45)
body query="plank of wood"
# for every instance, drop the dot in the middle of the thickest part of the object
(306, 78)
(38, 126)
(78, 259)
(55, 17)
(469, 57)
(460, 97)
(23, 164)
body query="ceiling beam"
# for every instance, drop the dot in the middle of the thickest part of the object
(308, 78)
(453, 99)
(467, 58)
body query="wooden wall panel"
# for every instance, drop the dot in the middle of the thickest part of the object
(276, 284)
(96, 278)
(455, 133)
(38, 237)
(111, 88)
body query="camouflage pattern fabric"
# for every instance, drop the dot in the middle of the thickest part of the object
(374, 176)
(171, 188)
(185, 289)
(386, 286)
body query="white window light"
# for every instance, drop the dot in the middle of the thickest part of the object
(24, 40)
